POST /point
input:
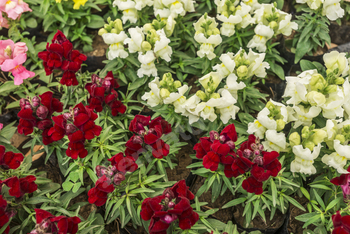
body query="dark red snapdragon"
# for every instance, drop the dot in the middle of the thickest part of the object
(19, 187)
(48, 223)
(37, 112)
(79, 125)
(4, 216)
(98, 194)
(172, 206)
(102, 91)
(341, 223)
(148, 133)
(9, 160)
(60, 55)
(344, 182)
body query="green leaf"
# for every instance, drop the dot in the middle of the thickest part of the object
(96, 21)
(294, 202)
(7, 87)
(274, 192)
(76, 187)
(141, 190)
(333, 203)
(305, 192)
(67, 185)
(74, 176)
(320, 186)
(139, 82)
(31, 23)
(235, 202)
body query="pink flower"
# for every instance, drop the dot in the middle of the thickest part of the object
(14, 8)
(6, 50)
(3, 22)
(18, 71)
(1, 126)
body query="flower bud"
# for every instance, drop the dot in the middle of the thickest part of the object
(44, 124)
(259, 160)
(118, 25)
(118, 178)
(254, 146)
(232, 8)
(294, 139)
(101, 170)
(260, 147)
(115, 31)
(215, 95)
(209, 32)
(231, 144)
(309, 144)
(177, 84)
(315, 98)
(8, 51)
(168, 219)
(169, 194)
(35, 101)
(70, 128)
(225, 13)
(339, 81)
(247, 153)
(216, 31)
(201, 95)
(273, 25)
(147, 27)
(280, 124)
(340, 138)
(331, 89)
(242, 71)
(67, 116)
(214, 135)
(146, 46)
(171, 205)
(317, 82)
(164, 93)
(23, 102)
(270, 106)
(42, 112)
(107, 83)
(318, 136)
(305, 132)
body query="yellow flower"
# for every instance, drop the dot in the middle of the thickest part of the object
(77, 3)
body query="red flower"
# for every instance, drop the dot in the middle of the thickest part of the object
(160, 123)
(76, 145)
(344, 182)
(150, 206)
(188, 217)
(203, 147)
(115, 105)
(229, 133)
(123, 164)
(18, 187)
(180, 189)
(134, 146)
(98, 194)
(44, 223)
(211, 161)
(27, 121)
(341, 224)
(58, 131)
(137, 125)
(3, 203)
(160, 149)
(3, 220)
(10, 160)
(251, 185)
(67, 224)
(52, 104)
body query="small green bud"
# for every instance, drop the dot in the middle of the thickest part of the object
(162, 83)
(317, 82)
(177, 84)
(339, 81)
(318, 136)
(113, 30)
(215, 95)
(216, 31)
(280, 124)
(246, 62)
(346, 128)
(201, 95)
(232, 8)
(209, 32)
(146, 46)
(168, 77)
(331, 89)
(315, 98)
(164, 93)
(242, 71)
(294, 139)
(118, 25)
(309, 144)
(102, 31)
(109, 19)
(147, 27)
(305, 132)
(238, 8)
(225, 13)
(270, 106)
(273, 25)
(340, 138)
(108, 27)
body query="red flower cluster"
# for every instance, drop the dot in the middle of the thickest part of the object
(102, 91)
(48, 223)
(113, 175)
(156, 128)
(9, 160)
(60, 55)
(219, 148)
(37, 112)
(19, 187)
(79, 126)
(341, 224)
(172, 205)
(344, 182)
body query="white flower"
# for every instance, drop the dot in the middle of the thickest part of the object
(162, 48)
(275, 141)
(335, 60)
(190, 106)
(152, 97)
(233, 86)
(135, 40)
(313, 4)
(346, 90)
(188, 5)
(225, 106)
(286, 26)
(116, 42)
(140, 4)
(303, 116)
(257, 129)
(333, 106)
(206, 111)
(227, 66)
(262, 35)
(265, 120)
(210, 81)
(304, 159)
(254, 4)
(244, 12)
(207, 45)
(257, 66)
(128, 8)
(201, 20)
(339, 158)
(178, 99)
(148, 67)
(263, 12)
(332, 9)
(283, 110)
(162, 12)
(228, 26)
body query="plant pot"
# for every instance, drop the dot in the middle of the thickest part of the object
(278, 225)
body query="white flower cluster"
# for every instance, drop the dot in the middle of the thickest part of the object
(330, 8)
(148, 42)
(163, 8)
(208, 104)
(268, 19)
(310, 94)
(207, 35)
